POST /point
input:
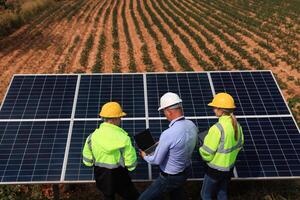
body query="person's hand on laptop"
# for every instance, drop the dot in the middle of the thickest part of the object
(142, 153)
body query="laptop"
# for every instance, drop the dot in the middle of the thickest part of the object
(145, 141)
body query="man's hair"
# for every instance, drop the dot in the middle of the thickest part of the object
(107, 119)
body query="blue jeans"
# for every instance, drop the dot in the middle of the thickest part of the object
(214, 187)
(164, 184)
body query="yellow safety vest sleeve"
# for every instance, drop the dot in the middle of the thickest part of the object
(87, 155)
(210, 144)
(130, 158)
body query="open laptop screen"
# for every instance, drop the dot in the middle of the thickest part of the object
(144, 139)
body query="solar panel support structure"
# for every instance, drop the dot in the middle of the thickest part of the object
(63, 173)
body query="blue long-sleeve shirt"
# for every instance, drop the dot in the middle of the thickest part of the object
(175, 148)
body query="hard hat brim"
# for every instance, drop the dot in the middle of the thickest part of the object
(123, 114)
(216, 106)
(164, 107)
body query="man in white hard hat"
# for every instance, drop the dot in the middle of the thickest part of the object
(174, 151)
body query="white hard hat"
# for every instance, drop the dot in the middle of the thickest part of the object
(169, 99)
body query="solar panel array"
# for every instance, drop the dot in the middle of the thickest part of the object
(45, 120)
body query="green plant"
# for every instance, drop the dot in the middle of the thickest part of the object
(86, 51)
(290, 78)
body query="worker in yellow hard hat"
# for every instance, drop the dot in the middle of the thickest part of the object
(220, 148)
(109, 150)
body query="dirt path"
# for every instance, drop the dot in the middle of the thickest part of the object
(137, 44)
(83, 30)
(108, 54)
(124, 59)
(158, 65)
(95, 30)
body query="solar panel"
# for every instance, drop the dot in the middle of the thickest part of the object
(255, 93)
(32, 151)
(95, 90)
(45, 120)
(193, 88)
(272, 147)
(39, 97)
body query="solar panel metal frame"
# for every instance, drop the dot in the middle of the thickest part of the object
(146, 118)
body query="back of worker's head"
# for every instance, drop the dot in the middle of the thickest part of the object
(112, 112)
(225, 103)
(171, 104)
(168, 100)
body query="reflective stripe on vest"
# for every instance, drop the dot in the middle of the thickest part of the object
(220, 168)
(89, 142)
(105, 165)
(208, 150)
(87, 160)
(121, 161)
(221, 148)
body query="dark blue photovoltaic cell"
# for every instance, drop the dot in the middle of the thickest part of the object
(32, 151)
(36, 97)
(77, 171)
(255, 93)
(193, 88)
(96, 90)
(272, 148)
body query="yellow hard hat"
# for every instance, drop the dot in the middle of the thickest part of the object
(112, 110)
(222, 100)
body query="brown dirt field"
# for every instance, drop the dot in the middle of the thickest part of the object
(275, 41)
(178, 42)
(194, 44)
(217, 40)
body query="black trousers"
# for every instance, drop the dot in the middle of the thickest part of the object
(115, 181)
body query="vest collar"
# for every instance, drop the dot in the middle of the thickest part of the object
(112, 126)
(224, 118)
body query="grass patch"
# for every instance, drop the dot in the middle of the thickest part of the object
(19, 13)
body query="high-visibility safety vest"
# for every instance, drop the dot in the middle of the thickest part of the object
(220, 148)
(109, 146)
